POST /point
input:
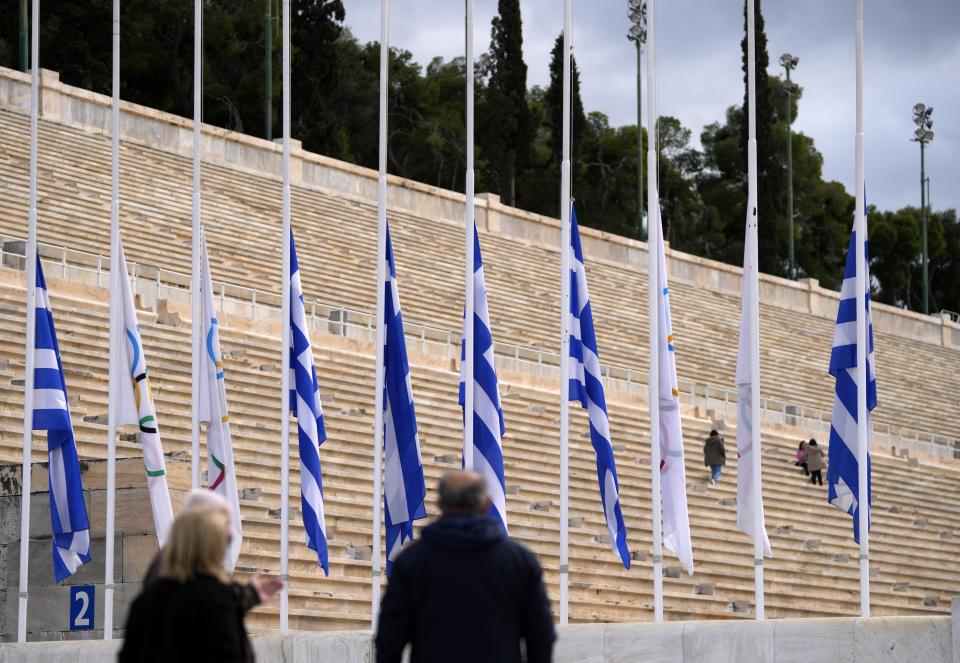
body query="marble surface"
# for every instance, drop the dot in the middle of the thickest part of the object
(729, 642)
(821, 640)
(650, 643)
(898, 639)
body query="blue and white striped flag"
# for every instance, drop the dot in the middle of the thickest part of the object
(842, 475)
(586, 386)
(305, 405)
(404, 487)
(68, 514)
(488, 428)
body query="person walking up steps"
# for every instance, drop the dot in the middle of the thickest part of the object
(714, 455)
(816, 462)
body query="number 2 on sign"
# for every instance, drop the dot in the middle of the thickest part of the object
(81, 607)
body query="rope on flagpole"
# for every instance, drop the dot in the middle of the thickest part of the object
(653, 270)
(30, 270)
(565, 324)
(863, 417)
(285, 333)
(117, 268)
(381, 262)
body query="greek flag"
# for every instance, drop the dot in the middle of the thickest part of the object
(135, 404)
(305, 406)
(586, 386)
(68, 514)
(842, 475)
(488, 425)
(404, 487)
(221, 475)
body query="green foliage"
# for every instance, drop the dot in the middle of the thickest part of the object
(335, 95)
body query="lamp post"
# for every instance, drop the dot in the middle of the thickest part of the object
(269, 21)
(788, 62)
(24, 36)
(923, 135)
(637, 11)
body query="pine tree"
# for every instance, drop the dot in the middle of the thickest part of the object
(506, 126)
(771, 180)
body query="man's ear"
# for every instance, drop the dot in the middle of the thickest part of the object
(486, 504)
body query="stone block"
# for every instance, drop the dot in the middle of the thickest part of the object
(894, 509)
(812, 544)
(98, 419)
(894, 640)
(638, 556)
(842, 558)
(671, 572)
(363, 553)
(651, 643)
(252, 494)
(913, 462)
(138, 552)
(580, 644)
(900, 587)
(946, 534)
(343, 647)
(698, 488)
(930, 601)
(166, 316)
(805, 640)
(541, 506)
(40, 565)
(704, 589)
(513, 489)
(728, 501)
(716, 642)
(132, 513)
(739, 606)
(783, 530)
(955, 628)
(577, 521)
(920, 522)
(447, 459)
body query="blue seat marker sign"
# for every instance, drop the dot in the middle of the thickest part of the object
(81, 607)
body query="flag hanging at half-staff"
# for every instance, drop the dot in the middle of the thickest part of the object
(744, 382)
(676, 523)
(221, 475)
(135, 402)
(488, 427)
(51, 412)
(843, 473)
(306, 407)
(586, 386)
(404, 486)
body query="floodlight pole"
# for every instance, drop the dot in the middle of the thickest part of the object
(923, 222)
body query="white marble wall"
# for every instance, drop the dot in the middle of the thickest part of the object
(877, 640)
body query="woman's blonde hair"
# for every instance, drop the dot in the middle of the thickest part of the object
(197, 544)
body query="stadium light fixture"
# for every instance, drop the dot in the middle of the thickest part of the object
(789, 62)
(922, 117)
(637, 13)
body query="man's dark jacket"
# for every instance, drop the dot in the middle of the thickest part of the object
(199, 620)
(465, 592)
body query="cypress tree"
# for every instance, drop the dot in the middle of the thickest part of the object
(507, 129)
(771, 180)
(554, 105)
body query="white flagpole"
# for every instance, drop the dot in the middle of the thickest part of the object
(285, 334)
(860, 221)
(653, 270)
(196, 324)
(754, 313)
(30, 269)
(118, 270)
(381, 296)
(565, 324)
(468, 260)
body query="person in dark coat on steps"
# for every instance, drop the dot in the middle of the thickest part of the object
(464, 591)
(714, 455)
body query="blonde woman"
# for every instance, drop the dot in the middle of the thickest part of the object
(190, 613)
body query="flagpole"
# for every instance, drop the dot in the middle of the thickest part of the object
(565, 324)
(30, 269)
(653, 270)
(196, 325)
(381, 297)
(468, 259)
(285, 332)
(754, 313)
(116, 269)
(860, 221)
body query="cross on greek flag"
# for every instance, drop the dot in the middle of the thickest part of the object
(305, 405)
(68, 514)
(586, 386)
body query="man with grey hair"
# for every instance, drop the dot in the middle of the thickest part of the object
(464, 591)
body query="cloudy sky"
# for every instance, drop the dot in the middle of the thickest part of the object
(911, 52)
